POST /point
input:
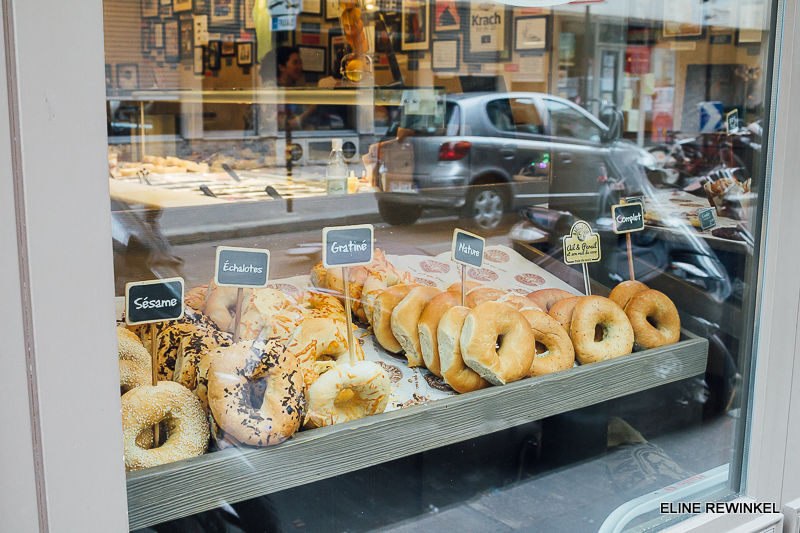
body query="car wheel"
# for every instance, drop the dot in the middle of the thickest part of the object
(485, 207)
(398, 214)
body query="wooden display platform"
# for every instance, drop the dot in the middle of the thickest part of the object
(187, 487)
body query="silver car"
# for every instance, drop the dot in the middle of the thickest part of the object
(496, 152)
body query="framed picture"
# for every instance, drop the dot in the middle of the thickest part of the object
(446, 54)
(127, 76)
(165, 11)
(415, 25)
(109, 77)
(182, 5)
(312, 7)
(532, 34)
(199, 63)
(691, 27)
(187, 38)
(228, 47)
(446, 16)
(223, 11)
(172, 50)
(331, 9)
(337, 46)
(157, 30)
(488, 33)
(213, 55)
(248, 6)
(147, 40)
(244, 54)
(314, 58)
(751, 16)
(149, 8)
(165, 2)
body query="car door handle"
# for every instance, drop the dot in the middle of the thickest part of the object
(508, 153)
(566, 157)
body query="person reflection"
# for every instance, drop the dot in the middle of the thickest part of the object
(289, 73)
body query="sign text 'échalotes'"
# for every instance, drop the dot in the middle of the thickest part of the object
(153, 301)
(467, 249)
(241, 267)
(628, 217)
(582, 245)
(347, 245)
(707, 217)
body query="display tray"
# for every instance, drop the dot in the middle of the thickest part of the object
(194, 485)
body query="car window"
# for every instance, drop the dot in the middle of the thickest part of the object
(526, 117)
(452, 120)
(568, 122)
(499, 112)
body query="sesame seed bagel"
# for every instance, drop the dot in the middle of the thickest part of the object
(146, 406)
(616, 337)
(428, 328)
(623, 292)
(346, 393)
(249, 365)
(454, 372)
(654, 319)
(130, 348)
(405, 317)
(554, 350)
(132, 375)
(488, 324)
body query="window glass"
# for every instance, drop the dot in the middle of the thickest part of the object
(255, 125)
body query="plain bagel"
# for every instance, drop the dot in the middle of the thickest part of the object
(547, 298)
(562, 311)
(428, 327)
(405, 317)
(557, 352)
(623, 292)
(382, 315)
(454, 372)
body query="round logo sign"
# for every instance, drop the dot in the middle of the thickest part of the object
(348, 150)
(297, 152)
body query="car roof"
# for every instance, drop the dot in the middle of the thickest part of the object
(460, 97)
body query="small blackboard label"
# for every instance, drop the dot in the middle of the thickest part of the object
(467, 249)
(241, 267)
(707, 217)
(153, 301)
(582, 245)
(636, 199)
(628, 217)
(347, 245)
(732, 122)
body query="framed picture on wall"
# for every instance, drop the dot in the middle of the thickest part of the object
(199, 65)
(213, 52)
(127, 76)
(312, 7)
(223, 11)
(172, 50)
(149, 8)
(109, 77)
(336, 45)
(691, 26)
(157, 30)
(751, 24)
(248, 6)
(147, 40)
(415, 25)
(244, 54)
(446, 54)
(187, 38)
(331, 9)
(165, 11)
(488, 33)
(446, 16)
(228, 47)
(314, 58)
(182, 5)
(531, 34)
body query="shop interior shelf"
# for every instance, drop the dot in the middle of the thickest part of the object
(187, 487)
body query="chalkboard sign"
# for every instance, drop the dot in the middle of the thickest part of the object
(241, 267)
(628, 217)
(582, 245)
(153, 301)
(467, 249)
(708, 218)
(636, 199)
(732, 122)
(347, 245)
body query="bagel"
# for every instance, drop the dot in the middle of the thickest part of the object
(382, 316)
(320, 305)
(616, 337)
(346, 393)
(357, 276)
(562, 311)
(487, 325)
(318, 274)
(475, 297)
(547, 298)
(220, 305)
(554, 350)
(191, 348)
(270, 309)
(201, 389)
(377, 282)
(448, 335)
(428, 328)
(654, 319)
(623, 292)
(132, 375)
(130, 348)
(518, 302)
(240, 369)
(196, 297)
(146, 406)
(405, 317)
(470, 285)
(318, 338)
